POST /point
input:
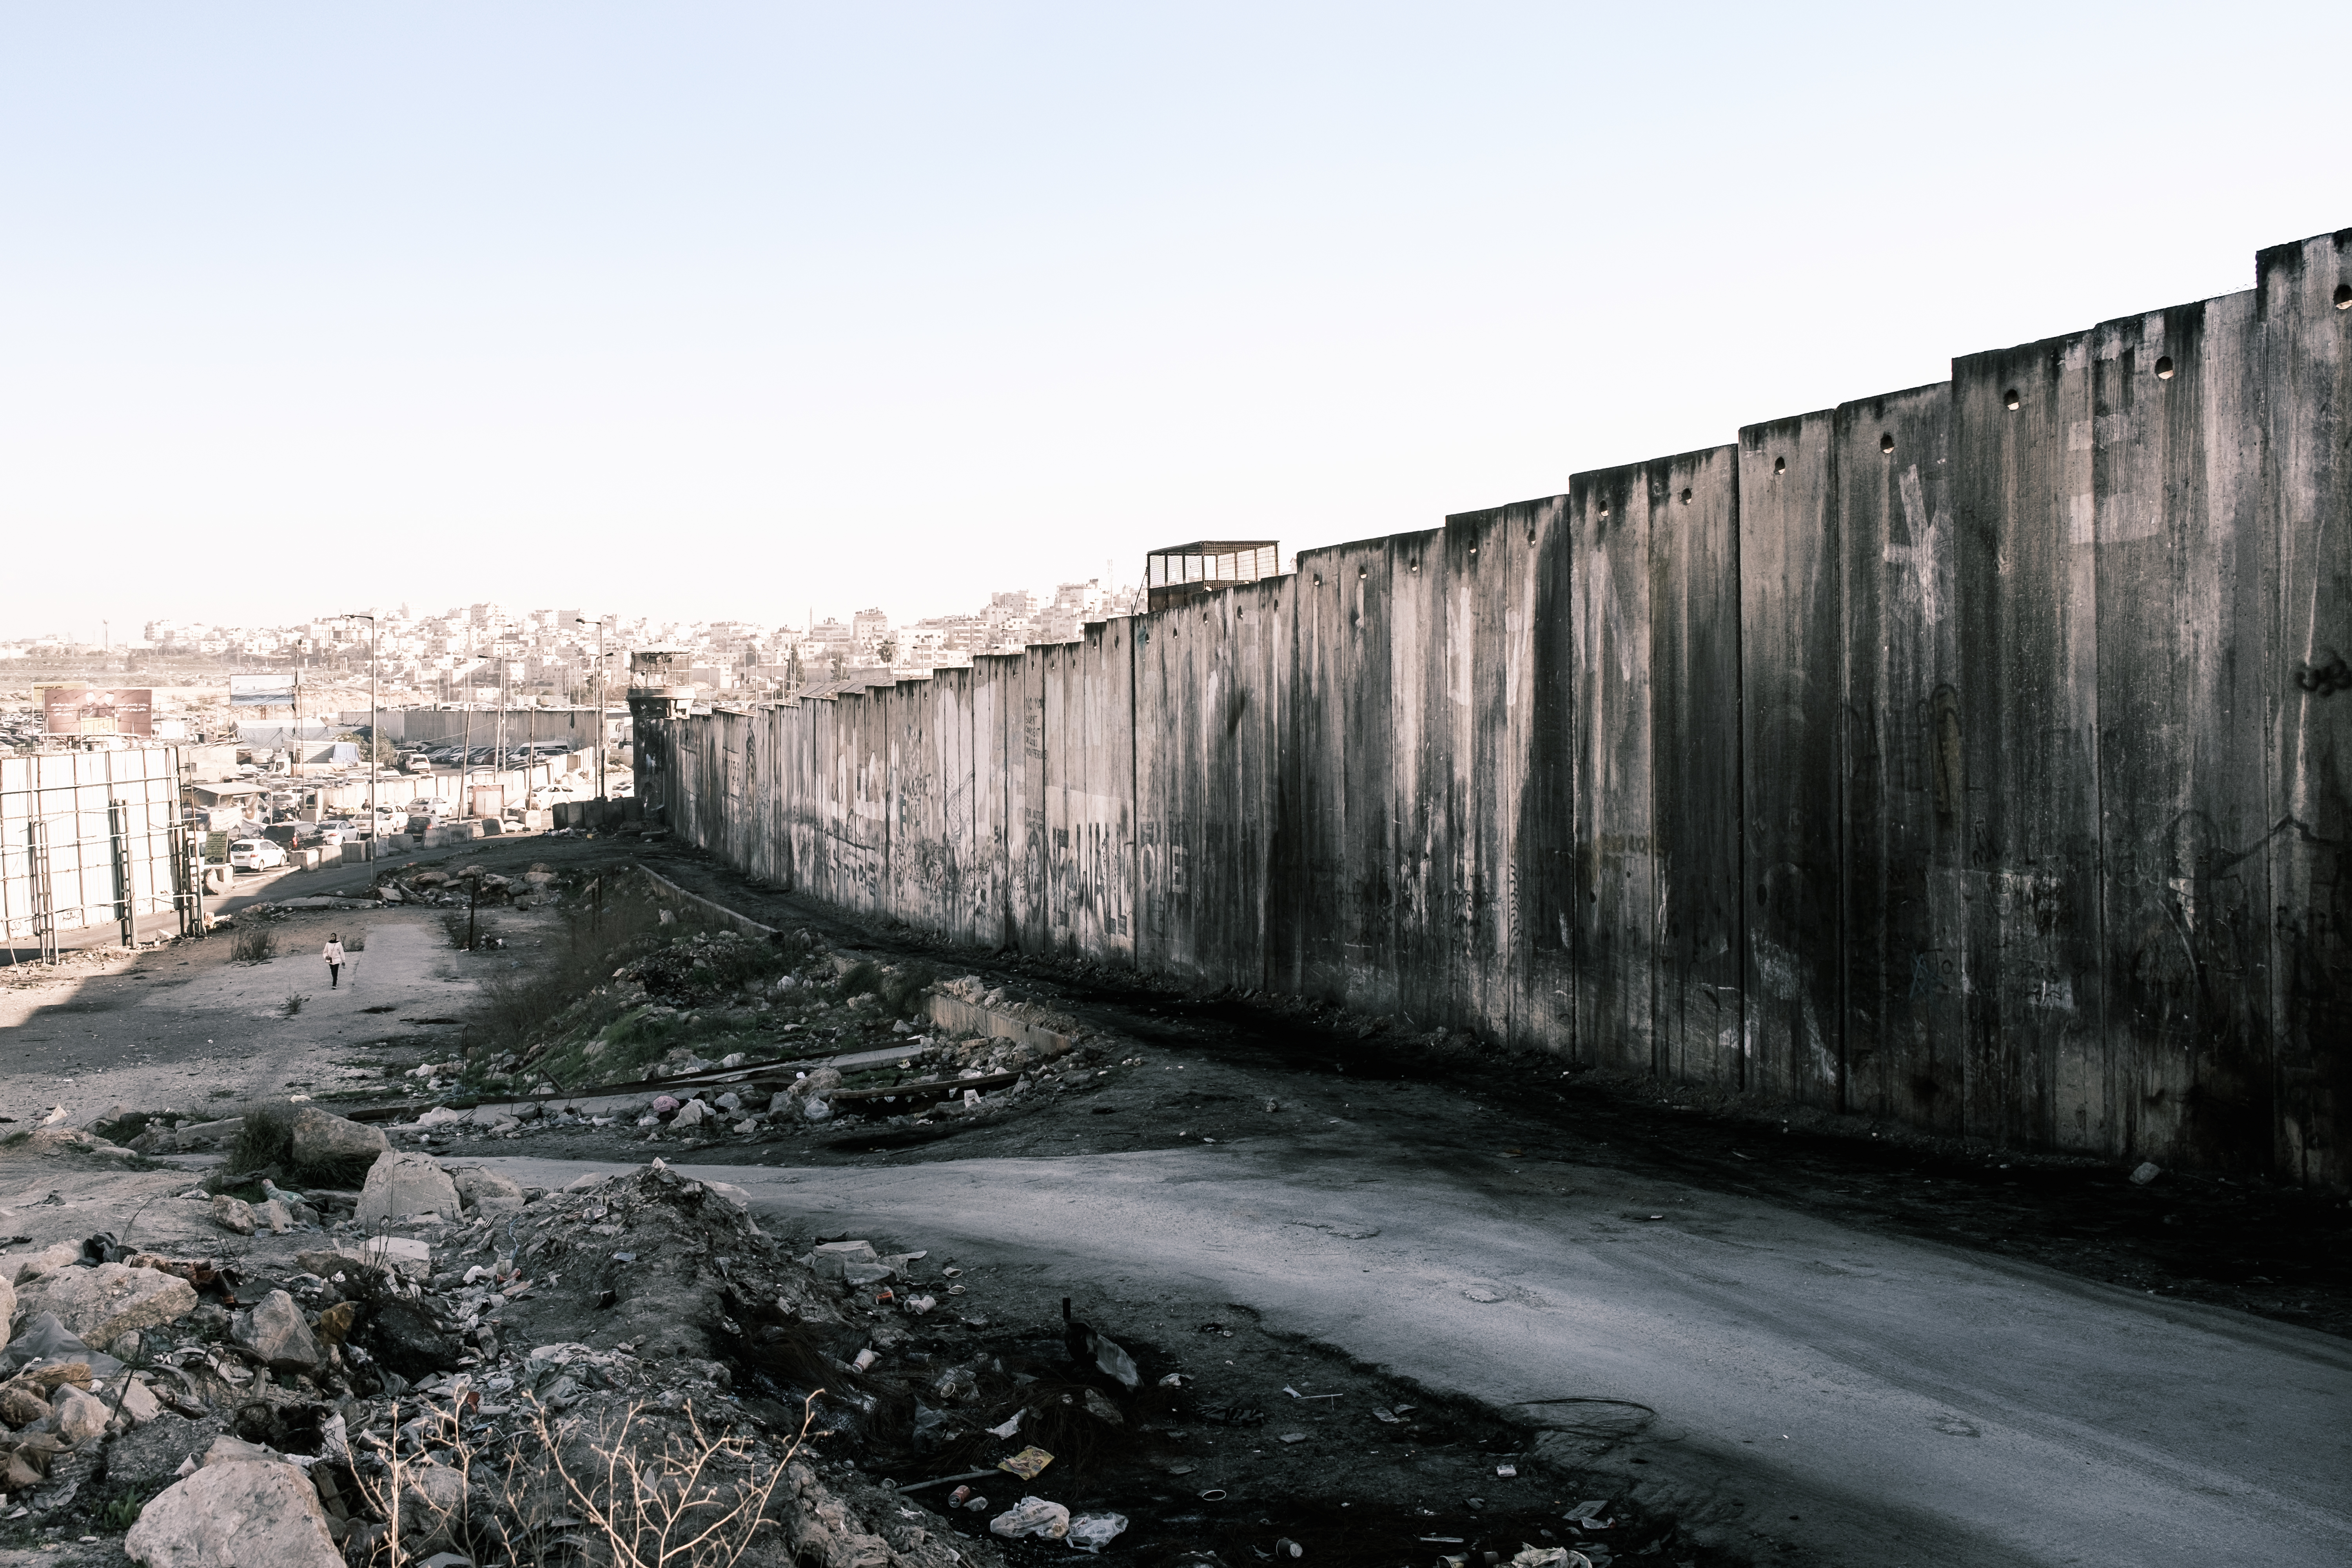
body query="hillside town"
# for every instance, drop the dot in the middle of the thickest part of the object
(487, 652)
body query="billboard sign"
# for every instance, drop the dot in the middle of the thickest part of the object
(98, 710)
(261, 690)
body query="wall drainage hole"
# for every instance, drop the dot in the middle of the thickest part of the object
(1779, 465)
(2164, 368)
(1886, 445)
(2009, 400)
(2344, 295)
(1686, 498)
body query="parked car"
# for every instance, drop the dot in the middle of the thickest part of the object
(255, 855)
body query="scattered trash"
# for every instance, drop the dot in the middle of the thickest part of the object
(1293, 1437)
(1508, 1472)
(1286, 1547)
(1181, 1469)
(2147, 1171)
(1027, 1464)
(1174, 1380)
(866, 1360)
(1031, 1516)
(1295, 1394)
(1389, 1416)
(1088, 1348)
(1010, 1427)
(1215, 1494)
(1093, 1531)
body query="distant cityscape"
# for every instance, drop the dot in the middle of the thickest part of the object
(487, 652)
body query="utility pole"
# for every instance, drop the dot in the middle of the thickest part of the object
(599, 624)
(466, 741)
(375, 731)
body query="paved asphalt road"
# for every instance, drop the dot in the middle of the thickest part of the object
(1909, 1403)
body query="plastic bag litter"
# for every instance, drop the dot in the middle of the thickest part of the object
(1031, 1516)
(44, 1339)
(1093, 1531)
(1549, 1557)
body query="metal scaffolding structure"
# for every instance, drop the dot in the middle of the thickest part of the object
(90, 838)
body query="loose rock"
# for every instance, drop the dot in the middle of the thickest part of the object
(275, 1333)
(321, 1138)
(243, 1514)
(100, 1305)
(399, 1186)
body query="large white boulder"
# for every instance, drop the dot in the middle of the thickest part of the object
(320, 1137)
(247, 1513)
(400, 1184)
(99, 1305)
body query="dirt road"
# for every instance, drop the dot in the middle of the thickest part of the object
(1866, 1400)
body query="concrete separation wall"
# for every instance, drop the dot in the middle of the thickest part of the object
(1978, 756)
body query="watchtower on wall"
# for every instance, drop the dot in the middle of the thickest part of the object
(1180, 573)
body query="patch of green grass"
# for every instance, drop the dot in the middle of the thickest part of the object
(292, 1005)
(122, 1513)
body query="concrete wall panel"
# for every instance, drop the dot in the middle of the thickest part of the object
(1793, 649)
(2304, 295)
(2182, 651)
(2023, 439)
(1903, 761)
(1616, 866)
(1693, 562)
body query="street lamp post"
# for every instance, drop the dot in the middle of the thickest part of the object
(376, 820)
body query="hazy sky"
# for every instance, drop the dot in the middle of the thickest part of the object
(729, 311)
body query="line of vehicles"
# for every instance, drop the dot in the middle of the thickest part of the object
(421, 759)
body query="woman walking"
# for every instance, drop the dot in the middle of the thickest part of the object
(334, 957)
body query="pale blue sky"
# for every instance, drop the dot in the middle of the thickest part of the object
(711, 310)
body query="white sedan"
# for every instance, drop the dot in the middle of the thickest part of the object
(255, 855)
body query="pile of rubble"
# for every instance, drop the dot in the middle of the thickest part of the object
(458, 1364)
(459, 886)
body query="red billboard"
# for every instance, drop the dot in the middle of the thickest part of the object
(98, 709)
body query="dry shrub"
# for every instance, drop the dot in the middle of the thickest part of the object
(253, 944)
(632, 1487)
